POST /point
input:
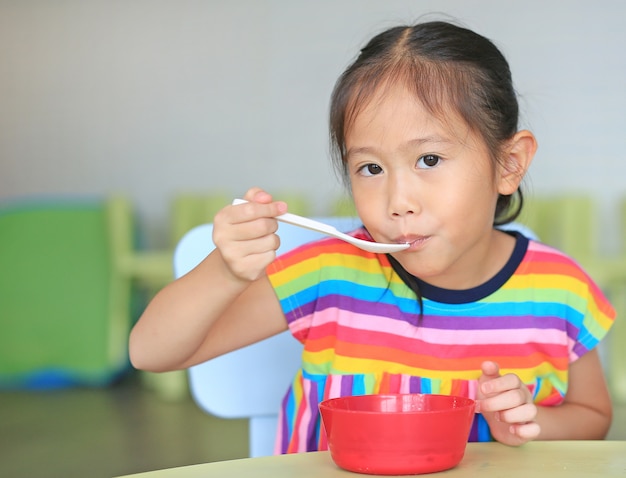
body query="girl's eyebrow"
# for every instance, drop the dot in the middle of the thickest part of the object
(372, 150)
(433, 139)
(362, 150)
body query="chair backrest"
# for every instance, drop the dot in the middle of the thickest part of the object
(222, 385)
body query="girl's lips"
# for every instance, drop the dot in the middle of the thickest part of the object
(414, 241)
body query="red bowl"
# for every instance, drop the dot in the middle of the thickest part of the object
(404, 434)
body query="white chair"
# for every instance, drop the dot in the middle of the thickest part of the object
(249, 382)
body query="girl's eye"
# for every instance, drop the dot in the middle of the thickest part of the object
(371, 169)
(428, 161)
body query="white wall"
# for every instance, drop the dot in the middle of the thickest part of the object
(154, 97)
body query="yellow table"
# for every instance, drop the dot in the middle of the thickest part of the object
(484, 460)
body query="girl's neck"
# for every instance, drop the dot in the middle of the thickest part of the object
(513, 252)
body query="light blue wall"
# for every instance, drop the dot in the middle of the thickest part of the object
(153, 97)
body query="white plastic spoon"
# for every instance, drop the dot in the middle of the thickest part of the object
(307, 223)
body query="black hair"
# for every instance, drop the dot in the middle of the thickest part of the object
(445, 66)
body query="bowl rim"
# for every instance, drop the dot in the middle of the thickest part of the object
(325, 403)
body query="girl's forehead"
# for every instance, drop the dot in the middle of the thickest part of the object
(396, 105)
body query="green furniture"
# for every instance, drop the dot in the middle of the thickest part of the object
(569, 223)
(64, 312)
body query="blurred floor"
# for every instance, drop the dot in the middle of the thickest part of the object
(107, 432)
(120, 430)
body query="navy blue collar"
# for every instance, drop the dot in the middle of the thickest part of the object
(449, 296)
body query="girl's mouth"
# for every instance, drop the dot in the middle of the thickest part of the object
(415, 241)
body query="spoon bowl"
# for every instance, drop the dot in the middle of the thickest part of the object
(375, 247)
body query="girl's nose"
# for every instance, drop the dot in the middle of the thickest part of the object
(402, 211)
(402, 200)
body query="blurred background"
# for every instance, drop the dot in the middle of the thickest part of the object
(153, 98)
(138, 119)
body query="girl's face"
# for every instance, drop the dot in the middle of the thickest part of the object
(416, 179)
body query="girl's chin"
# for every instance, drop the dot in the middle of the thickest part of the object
(417, 267)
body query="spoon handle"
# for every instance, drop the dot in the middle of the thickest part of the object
(307, 223)
(301, 221)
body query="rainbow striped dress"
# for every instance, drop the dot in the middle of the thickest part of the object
(363, 333)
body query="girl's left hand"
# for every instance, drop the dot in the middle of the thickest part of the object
(507, 405)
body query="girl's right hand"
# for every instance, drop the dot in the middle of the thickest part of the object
(245, 234)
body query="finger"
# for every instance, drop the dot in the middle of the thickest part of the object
(523, 414)
(258, 241)
(256, 229)
(251, 211)
(526, 431)
(504, 401)
(501, 384)
(235, 225)
(256, 194)
(490, 369)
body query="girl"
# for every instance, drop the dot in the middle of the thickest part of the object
(424, 128)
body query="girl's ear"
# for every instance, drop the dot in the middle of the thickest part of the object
(517, 158)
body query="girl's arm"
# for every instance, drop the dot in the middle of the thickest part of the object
(225, 303)
(585, 413)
